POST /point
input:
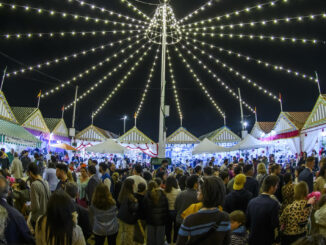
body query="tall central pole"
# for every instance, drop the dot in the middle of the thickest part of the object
(241, 110)
(161, 143)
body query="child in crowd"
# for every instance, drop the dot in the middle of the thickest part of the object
(239, 234)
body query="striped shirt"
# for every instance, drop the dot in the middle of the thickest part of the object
(195, 226)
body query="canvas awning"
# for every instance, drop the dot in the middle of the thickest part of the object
(207, 146)
(107, 147)
(64, 147)
(249, 142)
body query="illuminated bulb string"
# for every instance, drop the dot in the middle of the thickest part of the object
(73, 56)
(200, 84)
(235, 72)
(134, 8)
(174, 86)
(148, 83)
(65, 14)
(107, 76)
(196, 12)
(255, 23)
(121, 82)
(218, 80)
(90, 69)
(251, 59)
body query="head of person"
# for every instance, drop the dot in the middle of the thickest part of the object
(102, 198)
(287, 178)
(90, 162)
(16, 155)
(211, 192)
(165, 163)
(301, 191)
(322, 162)
(248, 170)
(237, 219)
(171, 182)
(61, 218)
(226, 162)
(270, 184)
(53, 159)
(127, 191)
(158, 181)
(322, 171)
(141, 188)
(224, 175)
(103, 167)
(61, 171)
(310, 162)
(21, 184)
(192, 182)
(94, 162)
(91, 170)
(147, 176)
(237, 170)
(182, 182)
(298, 170)
(51, 165)
(36, 156)
(72, 190)
(216, 171)
(4, 187)
(198, 170)
(115, 177)
(32, 171)
(261, 168)
(112, 167)
(239, 182)
(208, 171)
(137, 170)
(83, 172)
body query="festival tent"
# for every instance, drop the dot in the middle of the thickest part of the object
(58, 130)
(107, 147)
(5, 110)
(64, 146)
(248, 143)
(223, 137)
(207, 146)
(314, 129)
(260, 129)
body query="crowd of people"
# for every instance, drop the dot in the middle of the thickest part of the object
(237, 203)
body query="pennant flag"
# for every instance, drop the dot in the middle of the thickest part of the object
(39, 94)
(280, 96)
(255, 110)
(135, 115)
(63, 108)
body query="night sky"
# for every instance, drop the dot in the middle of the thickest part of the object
(200, 116)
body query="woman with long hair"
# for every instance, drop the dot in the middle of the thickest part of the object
(82, 182)
(103, 216)
(59, 225)
(128, 208)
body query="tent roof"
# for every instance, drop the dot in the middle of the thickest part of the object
(297, 118)
(182, 136)
(5, 110)
(93, 133)
(109, 147)
(318, 115)
(135, 136)
(266, 127)
(207, 146)
(249, 142)
(23, 113)
(52, 122)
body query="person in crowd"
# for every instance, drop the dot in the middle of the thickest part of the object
(294, 218)
(224, 175)
(4, 162)
(94, 180)
(297, 172)
(61, 172)
(186, 198)
(157, 211)
(25, 160)
(287, 190)
(112, 168)
(239, 234)
(239, 198)
(103, 216)
(39, 191)
(20, 194)
(306, 175)
(116, 185)
(276, 170)
(172, 191)
(50, 176)
(320, 183)
(251, 183)
(83, 215)
(208, 171)
(136, 176)
(14, 229)
(128, 211)
(198, 170)
(147, 176)
(261, 174)
(225, 165)
(38, 160)
(105, 175)
(139, 235)
(263, 213)
(82, 182)
(209, 225)
(320, 215)
(182, 182)
(237, 170)
(16, 168)
(59, 224)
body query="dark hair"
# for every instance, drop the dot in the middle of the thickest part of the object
(238, 216)
(213, 191)
(237, 170)
(94, 162)
(247, 168)
(208, 171)
(32, 167)
(191, 181)
(273, 168)
(138, 168)
(197, 169)
(287, 178)
(316, 239)
(158, 181)
(102, 198)
(141, 187)
(22, 184)
(270, 181)
(71, 189)
(59, 219)
(310, 159)
(182, 182)
(126, 192)
(171, 181)
(300, 169)
(92, 169)
(322, 171)
(63, 167)
(52, 165)
(103, 166)
(224, 174)
(147, 176)
(53, 159)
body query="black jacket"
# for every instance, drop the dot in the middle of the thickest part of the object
(128, 211)
(90, 188)
(237, 200)
(252, 186)
(83, 220)
(156, 214)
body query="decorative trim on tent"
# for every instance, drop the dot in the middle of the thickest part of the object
(318, 114)
(61, 129)
(282, 136)
(224, 135)
(5, 110)
(91, 133)
(134, 136)
(182, 136)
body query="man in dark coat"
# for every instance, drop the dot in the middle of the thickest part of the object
(251, 183)
(94, 180)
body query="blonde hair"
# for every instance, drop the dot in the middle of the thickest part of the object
(300, 190)
(261, 168)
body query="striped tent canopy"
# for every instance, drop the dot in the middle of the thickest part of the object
(318, 114)
(135, 136)
(262, 128)
(222, 135)
(93, 133)
(5, 110)
(182, 136)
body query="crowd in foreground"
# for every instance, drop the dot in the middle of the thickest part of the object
(51, 202)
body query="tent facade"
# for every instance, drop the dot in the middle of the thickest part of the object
(248, 143)
(223, 137)
(208, 147)
(58, 130)
(261, 129)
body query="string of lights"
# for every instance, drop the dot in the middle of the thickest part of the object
(107, 76)
(66, 58)
(174, 86)
(234, 72)
(255, 37)
(251, 59)
(247, 10)
(219, 80)
(275, 21)
(91, 69)
(197, 11)
(119, 15)
(121, 82)
(75, 16)
(148, 83)
(199, 82)
(134, 8)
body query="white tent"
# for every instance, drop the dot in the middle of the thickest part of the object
(109, 147)
(249, 142)
(207, 146)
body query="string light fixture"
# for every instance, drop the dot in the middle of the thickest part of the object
(136, 10)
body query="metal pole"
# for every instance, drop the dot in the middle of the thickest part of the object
(92, 118)
(63, 112)
(241, 110)
(74, 112)
(224, 121)
(124, 125)
(3, 78)
(317, 80)
(161, 143)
